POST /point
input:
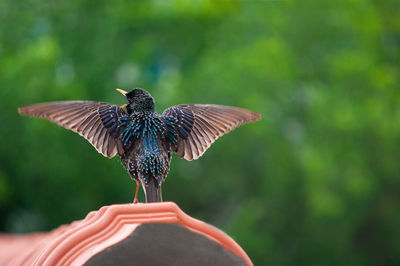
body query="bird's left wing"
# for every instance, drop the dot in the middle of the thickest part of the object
(98, 122)
(199, 125)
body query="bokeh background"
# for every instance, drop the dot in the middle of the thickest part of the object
(316, 182)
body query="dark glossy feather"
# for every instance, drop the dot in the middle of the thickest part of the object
(199, 125)
(142, 138)
(95, 121)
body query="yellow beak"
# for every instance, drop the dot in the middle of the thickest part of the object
(123, 106)
(122, 91)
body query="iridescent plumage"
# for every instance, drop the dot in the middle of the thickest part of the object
(142, 138)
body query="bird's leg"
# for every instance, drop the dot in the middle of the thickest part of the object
(137, 190)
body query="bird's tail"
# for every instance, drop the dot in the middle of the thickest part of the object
(152, 190)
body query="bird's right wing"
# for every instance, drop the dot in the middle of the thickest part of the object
(199, 125)
(98, 122)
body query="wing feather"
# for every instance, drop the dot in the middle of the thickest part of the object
(199, 125)
(92, 120)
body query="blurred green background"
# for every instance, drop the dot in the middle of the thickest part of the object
(316, 182)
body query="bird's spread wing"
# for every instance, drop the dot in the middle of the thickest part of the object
(199, 125)
(95, 121)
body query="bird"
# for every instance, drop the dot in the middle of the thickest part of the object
(142, 138)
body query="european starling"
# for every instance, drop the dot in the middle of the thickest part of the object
(142, 138)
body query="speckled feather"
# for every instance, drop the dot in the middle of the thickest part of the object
(142, 138)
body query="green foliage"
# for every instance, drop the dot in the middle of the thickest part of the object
(316, 182)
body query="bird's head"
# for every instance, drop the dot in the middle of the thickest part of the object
(139, 100)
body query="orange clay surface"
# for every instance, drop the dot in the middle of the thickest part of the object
(77, 242)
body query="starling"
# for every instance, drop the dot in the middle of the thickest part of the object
(142, 138)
